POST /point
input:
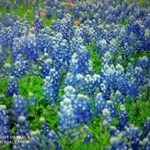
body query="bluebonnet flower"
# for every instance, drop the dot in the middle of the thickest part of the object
(59, 51)
(80, 63)
(100, 103)
(133, 136)
(21, 141)
(3, 56)
(27, 46)
(22, 129)
(52, 8)
(43, 40)
(144, 62)
(109, 112)
(107, 58)
(146, 127)
(145, 142)
(76, 81)
(135, 28)
(111, 18)
(45, 64)
(38, 22)
(16, 3)
(87, 84)
(116, 78)
(4, 36)
(130, 136)
(20, 66)
(12, 86)
(117, 97)
(142, 44)
(49, 136)
(139, 75)
(123, 117)
(20, 115)
(118, 145)
(75, 110)
(70, 93)
(147, 21)
(113, 131)
(104, 87)
(128, 43)
(116, 27)
(128, 88)
(64, 26)
(45, 67)
(92, 84)
(102, 46)
(82, 109)
(33, 141)
(136, 74)
(88, 138)
(4, 125)
(12, 28)
(7, 6)
(67, 118)
(8, 20)
(51, 86)
(77, 42)
(87, 33)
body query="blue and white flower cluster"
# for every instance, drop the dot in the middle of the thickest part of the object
(60, 54)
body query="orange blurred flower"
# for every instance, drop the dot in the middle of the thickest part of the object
(69, 4)
(42, 13)
(77, 22)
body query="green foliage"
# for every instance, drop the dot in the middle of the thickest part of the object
(79, 145)
(3, 84)
(100, 137)
(95, 57)
(38, 111)
(4, 147)
(4, 100)
(28, 13)
(48, 21)
(115, 122)
(61, 86)
(8, 57)
(100, 133)
(135, 57)
(138, 110)
(31, 84)
(125, 22)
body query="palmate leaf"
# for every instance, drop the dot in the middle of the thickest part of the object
(31, 84)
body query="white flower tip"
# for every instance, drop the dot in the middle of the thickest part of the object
(113, 140)
(42, 119)
(36, 132)
(106, 112)
(2, 107)
(22, 118)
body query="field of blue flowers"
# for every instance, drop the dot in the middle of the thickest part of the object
(74, 75)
